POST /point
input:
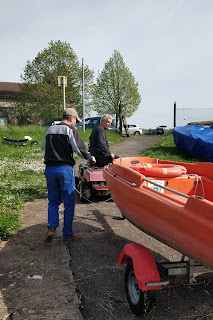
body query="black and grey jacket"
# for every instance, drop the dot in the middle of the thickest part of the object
(60, 142)
(99, 145)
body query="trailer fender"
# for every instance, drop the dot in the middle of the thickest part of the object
(144, 265)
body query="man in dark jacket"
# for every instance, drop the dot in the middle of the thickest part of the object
(99, 145)
(60, 141)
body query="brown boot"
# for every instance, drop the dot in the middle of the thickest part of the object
(50, 235)
(76, 237)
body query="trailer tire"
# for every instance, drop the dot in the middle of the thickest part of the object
(140, 301)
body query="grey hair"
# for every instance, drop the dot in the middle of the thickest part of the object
(106, 116)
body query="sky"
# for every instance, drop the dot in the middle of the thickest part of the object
(166, 44)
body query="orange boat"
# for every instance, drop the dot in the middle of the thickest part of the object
(171, 201)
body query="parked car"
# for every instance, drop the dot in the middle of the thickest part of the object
(79, 125)
(52, 122)
(58, 120)
(158, 131)
(133, 129)
(94, 121)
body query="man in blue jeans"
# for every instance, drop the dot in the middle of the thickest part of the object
(59, 143)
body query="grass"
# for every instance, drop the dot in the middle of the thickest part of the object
(166, 149)
(21, 172)
(21, 175)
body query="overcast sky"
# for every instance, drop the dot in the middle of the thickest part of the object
(166, 44)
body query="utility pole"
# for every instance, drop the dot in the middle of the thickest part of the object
(83, 94)
(64, 92)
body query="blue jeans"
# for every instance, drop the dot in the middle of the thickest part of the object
(61, 185)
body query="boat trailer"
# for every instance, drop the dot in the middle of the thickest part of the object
(144, 275)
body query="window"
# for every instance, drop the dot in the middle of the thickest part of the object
(94, 122)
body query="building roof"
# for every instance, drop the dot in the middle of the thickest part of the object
(9, 89)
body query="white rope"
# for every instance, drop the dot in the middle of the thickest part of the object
(197, 181)
(123, 162)
(91, 202)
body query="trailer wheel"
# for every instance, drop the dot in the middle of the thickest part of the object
(140, 302)
(85, 191)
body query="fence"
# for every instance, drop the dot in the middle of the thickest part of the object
(183, 116)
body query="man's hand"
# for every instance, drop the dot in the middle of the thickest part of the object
(92, 159)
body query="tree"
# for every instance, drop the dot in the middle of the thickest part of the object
(114, 84)
(41, 98)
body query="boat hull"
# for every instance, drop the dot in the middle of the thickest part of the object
(185, 224)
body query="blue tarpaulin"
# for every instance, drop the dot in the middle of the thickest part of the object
(197, 140)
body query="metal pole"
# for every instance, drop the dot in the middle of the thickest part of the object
(166, 188)
(83, 94)
(64, 92)
(174, 114)
(120, 118)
